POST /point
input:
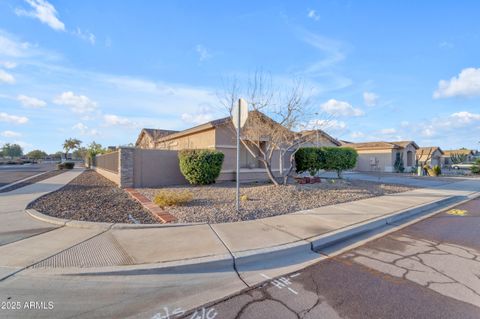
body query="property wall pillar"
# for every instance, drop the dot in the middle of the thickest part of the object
(126, 166)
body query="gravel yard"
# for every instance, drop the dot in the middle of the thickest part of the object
(92, 197)
(216, 203)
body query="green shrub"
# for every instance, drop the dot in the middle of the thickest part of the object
(476, 167)
(66, 165)
(309, 159)
(313, 159)
(398, 165)
(69, 165)
(339, 159)
(200, 166)
(166, 198)
(437, 170)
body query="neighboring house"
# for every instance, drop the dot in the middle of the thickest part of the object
(431, 156)
(220, 135)
(447, 156)
(381, 156)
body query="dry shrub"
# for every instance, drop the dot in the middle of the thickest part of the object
(172, 198)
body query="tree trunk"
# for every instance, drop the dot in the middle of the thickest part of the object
(339, 173)
(287, 175)
(270, 173)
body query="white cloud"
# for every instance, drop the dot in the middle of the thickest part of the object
(10, 134)
(77, 103)
(465, 117)
(467, 83)
(370, 98)
(31, 101)
(4, 117)
(340, 108)
(312, 14)
(43, 11)
(12, 48)
(202, 115)
(387, 131)
(203, 53)
(333, 127)
(115, 120)
(357, 134)
(196, 118)
(6, 77)
(85, 35)
(459, 124)
(332, 50)
(8, 64)
(84, 130)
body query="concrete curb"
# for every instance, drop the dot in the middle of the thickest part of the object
(198, 264)
(274, 253)
(45, 218)
(348, 232)
(97, 225)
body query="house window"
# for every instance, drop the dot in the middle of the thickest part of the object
(246, 158)
(409, 158)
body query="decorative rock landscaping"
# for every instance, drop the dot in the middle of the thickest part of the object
(91, 197)
(216, 203)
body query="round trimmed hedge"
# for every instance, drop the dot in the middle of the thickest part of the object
(200, 167)
(313, 159)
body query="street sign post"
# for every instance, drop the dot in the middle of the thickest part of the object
(239, 117)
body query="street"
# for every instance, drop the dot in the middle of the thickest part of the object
(427, 270)
(13, 173)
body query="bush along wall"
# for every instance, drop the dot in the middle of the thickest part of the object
(309, 159)
(312, 159)
(200, 167)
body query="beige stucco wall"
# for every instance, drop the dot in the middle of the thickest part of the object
(202, 139)
(114, 177)
(405, 151)
(156, 168)
(145, 142)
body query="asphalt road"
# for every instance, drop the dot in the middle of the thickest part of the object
(428, 270)
(13, 173)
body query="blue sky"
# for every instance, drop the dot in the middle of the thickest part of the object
(101, 70)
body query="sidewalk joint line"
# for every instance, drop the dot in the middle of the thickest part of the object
(231, 254)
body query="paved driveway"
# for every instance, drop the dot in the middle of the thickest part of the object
(400, 179)
(13, 173)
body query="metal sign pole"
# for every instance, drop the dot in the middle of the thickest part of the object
(238, 158)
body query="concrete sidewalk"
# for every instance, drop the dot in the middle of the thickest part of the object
(45, 242)
(200, 262)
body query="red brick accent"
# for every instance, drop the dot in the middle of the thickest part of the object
(161, 215)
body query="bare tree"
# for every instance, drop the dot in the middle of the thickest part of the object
(274, 118)
(423, 158)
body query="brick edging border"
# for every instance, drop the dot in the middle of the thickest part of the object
(162, 215)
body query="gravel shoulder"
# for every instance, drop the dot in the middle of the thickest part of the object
(216, 203)
(92, 197)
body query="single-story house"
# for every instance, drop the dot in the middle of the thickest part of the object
(381, 156)
(221, 135)
(448, 154)
(431, 156)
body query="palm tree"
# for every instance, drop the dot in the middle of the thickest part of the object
(70, 144)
